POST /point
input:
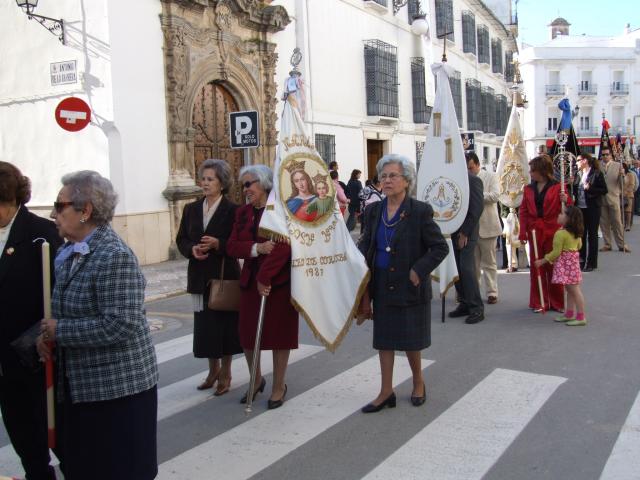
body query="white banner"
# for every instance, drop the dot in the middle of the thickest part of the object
(443, 180)
(328, 272)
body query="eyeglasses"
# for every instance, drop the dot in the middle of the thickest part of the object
(607, 154)
(60, 206)
(390, 176)
(249, 183)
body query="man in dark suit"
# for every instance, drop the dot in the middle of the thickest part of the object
(464, 245)
(22, 388)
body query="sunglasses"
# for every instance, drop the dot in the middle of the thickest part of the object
(248, 184)
(60, 206)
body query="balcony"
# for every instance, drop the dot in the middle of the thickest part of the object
(618, 88)
(380, 6)
(588, 132)
(587, 90)
(555, 90)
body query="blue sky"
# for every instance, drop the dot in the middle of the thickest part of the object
(592, 17)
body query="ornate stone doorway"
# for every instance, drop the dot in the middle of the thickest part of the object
(210, 123)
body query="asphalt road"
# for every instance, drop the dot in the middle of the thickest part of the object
(514, 397)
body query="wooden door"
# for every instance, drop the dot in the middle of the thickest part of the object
(211, 124)
(374, 153)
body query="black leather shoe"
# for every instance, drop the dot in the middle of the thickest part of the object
(417, 401)
(587, 269)
(260, 389)
(271, 404)
(459, 311)
(390, 402)
(475, 317)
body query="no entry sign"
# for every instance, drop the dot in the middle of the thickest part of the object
(73, 114)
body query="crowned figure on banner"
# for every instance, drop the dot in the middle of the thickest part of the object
(328, 273)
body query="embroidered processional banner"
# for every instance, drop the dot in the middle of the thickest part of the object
(443, 180)
(328, 272)
(513, 175)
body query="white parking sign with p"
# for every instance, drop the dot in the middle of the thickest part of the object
(244, 129)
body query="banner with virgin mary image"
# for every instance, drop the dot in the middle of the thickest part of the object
(328, 272)
(443, 180)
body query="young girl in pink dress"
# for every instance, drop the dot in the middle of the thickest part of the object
(565, 258)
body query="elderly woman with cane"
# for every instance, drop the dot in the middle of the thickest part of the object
(266, 273)
(402, 246)
(22, 380)
(107, 372)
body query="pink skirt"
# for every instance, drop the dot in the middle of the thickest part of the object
(566, 269)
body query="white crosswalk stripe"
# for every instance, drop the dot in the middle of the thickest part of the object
(624, 462)
(467, 439)
(304, 417)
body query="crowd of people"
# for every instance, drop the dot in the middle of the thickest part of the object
(106, 371)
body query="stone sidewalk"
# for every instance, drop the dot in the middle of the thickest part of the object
(165, 279)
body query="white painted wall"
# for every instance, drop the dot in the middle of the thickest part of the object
(118, 49)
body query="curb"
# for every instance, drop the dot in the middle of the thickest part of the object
(162, 296)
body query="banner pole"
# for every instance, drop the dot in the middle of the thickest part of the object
(256, 356)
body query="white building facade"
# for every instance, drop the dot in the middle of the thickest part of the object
(162, 76)
(369, 82)
(599, 75)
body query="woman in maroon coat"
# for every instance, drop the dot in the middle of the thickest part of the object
(541, 204)
(266, 272)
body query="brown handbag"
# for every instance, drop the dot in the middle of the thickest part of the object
(224, 295)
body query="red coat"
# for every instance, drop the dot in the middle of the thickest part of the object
(280, 328)
(545, 227)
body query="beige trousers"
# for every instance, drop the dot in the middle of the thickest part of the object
(610, 220)
(485, 256)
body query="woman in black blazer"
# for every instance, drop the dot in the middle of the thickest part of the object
(204, 230)
(402, 245)
(22, 390)
(589, 188)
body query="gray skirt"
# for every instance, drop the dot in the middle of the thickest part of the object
(396, 327)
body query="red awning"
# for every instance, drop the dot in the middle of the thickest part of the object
(585, 141)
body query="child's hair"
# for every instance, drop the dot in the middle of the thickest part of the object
(575, 224)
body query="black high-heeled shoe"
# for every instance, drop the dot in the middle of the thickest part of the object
(271, 404)
(417, 401)
(260, 389)
(390, 402)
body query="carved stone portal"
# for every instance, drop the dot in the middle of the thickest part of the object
(216, 47)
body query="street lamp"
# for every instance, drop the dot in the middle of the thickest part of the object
(419, 26)
(55, 26)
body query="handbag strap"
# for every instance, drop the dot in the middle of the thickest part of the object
(222, 268)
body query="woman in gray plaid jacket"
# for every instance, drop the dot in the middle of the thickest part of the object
(106, 363)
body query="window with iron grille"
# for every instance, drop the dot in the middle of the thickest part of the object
(412, 10)
(501, 115)
(488, 110)
(455, 83)
(326, 147)
(419, 152)
(421, 111)
(484, 54)
(473, 104)
(381, 77)
(468, 32)
(496, 55)
(444, 19)
(509, 68)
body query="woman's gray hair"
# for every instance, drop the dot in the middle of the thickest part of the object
(222, 171)
(87, 186)
(262, 173)
(408, 168)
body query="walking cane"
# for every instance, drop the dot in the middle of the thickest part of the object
(48, 364)
(624, 245)
(256, 356)
(535, 252)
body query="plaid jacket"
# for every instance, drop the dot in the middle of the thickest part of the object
(104, 343)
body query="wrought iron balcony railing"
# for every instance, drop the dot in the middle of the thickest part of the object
(618, 88)
(554, 90)
(587, 90)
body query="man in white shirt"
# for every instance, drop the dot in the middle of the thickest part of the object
(490, 229)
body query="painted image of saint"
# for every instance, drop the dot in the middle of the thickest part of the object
(302, 194)
(324, 202)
